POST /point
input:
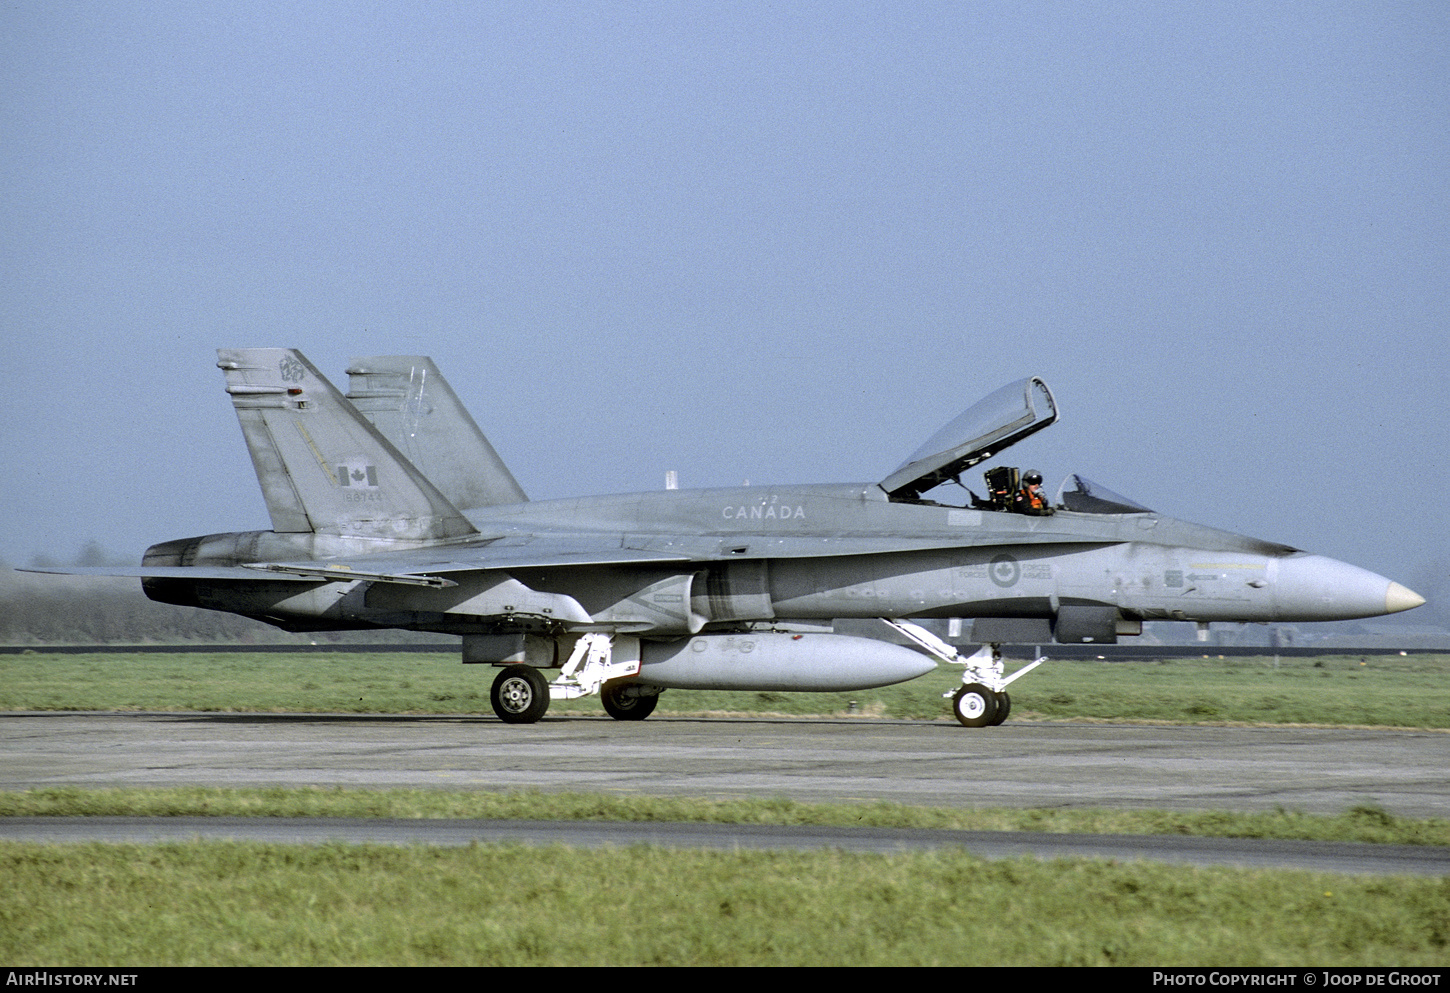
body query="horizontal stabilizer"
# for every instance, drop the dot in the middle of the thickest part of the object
(188, 572)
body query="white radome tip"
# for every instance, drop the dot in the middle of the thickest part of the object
(1398, 598)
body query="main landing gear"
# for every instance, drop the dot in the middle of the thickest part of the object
(625, 701)
(521, 693)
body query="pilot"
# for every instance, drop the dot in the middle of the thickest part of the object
(1029, 499)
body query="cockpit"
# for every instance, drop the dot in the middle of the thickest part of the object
(981, 432)
(1087, 497)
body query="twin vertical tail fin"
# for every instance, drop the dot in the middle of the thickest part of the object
(322, 466)
(410, 403)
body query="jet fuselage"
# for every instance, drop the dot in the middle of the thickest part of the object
(390, 509)
(820, 552)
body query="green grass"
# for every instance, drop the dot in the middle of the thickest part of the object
(252, 904)
(1364, 823)
(1385, 691)
(1404, 691)
(232, 903)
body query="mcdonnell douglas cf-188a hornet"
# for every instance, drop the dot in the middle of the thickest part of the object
(747, 589)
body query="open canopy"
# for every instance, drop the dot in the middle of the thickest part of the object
(978, 433)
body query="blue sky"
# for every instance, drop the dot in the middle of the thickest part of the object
(776, 242)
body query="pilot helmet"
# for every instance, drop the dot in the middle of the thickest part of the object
(1032, 477)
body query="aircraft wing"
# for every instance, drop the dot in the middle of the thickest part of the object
(434, 566)
(422, 567)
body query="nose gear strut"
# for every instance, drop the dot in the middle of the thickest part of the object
(981, 700)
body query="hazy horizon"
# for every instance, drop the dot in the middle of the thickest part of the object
(782, 243)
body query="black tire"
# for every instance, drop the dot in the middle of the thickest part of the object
(520, 695)
(974, 705)
(1004, 707)
(621, 703)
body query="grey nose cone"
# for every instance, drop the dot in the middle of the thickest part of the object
(1317, 588)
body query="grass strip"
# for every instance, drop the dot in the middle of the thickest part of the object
(224, 904)
(1374, 691)
(1363, 823)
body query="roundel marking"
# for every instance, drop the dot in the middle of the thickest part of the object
(1005, 571)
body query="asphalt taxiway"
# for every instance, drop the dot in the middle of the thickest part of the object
(1020, 764)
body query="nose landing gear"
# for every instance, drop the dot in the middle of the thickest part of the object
(976, 706)
(982, 700)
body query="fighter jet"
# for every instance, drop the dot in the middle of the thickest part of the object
(390, 509)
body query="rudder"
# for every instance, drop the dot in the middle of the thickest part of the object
(410, 403)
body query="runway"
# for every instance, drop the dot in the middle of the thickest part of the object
(1020, 764)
